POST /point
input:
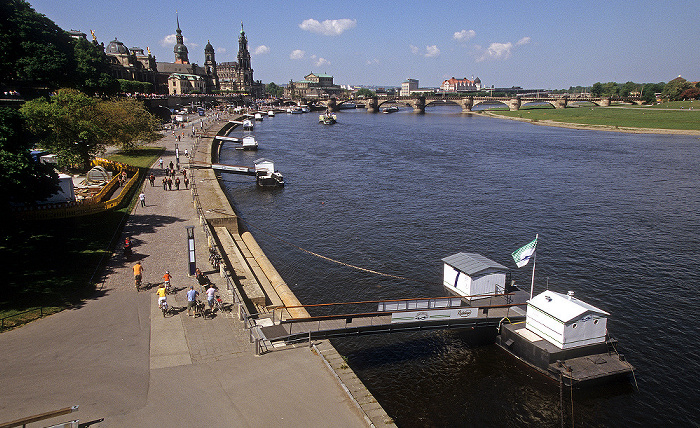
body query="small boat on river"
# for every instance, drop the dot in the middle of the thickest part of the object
(248, 143)
(327, 118)
(248, 125)
(270, 113)
(258, 116)
(392, 109)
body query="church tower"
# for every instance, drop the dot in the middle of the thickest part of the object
(246, 72)
(210, 68)
(180, 49)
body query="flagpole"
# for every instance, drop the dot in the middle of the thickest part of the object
(534, 260)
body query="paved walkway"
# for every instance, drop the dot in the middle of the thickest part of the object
(119, 359)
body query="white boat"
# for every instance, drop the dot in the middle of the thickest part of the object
(392, 109)
(305, 109)
(258, 116)
(270, 113)
(248, 125)
(294, 110)
(248, 143)
(347, 106)
(265, 174)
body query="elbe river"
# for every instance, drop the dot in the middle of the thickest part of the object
(618, 218)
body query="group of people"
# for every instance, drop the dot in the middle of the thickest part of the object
(208, 287)
(170, 178)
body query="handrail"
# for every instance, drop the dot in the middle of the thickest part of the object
(41, 315)
(39, 417)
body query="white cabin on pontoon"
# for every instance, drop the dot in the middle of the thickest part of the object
(565, 321)
(473, 276)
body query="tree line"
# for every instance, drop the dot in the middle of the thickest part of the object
(677, 89)
(72, 106)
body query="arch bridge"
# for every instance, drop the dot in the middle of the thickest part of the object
(468, 102)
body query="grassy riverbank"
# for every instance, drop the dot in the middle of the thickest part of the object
(54, 263)
(623, 118)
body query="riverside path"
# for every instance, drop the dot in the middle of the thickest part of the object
(119, 359)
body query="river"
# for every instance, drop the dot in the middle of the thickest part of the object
(618, 218)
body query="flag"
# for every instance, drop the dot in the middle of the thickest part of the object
(522, 255)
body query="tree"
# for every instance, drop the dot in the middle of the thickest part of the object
(134, 86)
(690, 94)
(364, 92)
(35, 51)
(77, 127)
(128, 123)
(22, 179)
(673, 89)
(597, 89)
(92, 69)
(274, 90)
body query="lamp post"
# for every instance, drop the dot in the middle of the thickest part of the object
(190, 250)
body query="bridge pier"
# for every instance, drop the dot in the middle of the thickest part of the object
(332, 104)
(605, 102)
(419, 105)
(514, 104)
(561, 102)
(467, 104)
(373, 105)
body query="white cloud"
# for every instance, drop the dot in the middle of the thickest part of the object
(329, 27)
(496, 51)
(464, 35)
(297, 54)
(372, 61)
(221, 50)
(170, 40)
(321, 61)
(261, 50)
(523, 41)
(432, 51)
(414, 49)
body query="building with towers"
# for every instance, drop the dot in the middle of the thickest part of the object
(212, 77)
(237, 76)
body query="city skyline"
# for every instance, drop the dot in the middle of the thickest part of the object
(504, 43)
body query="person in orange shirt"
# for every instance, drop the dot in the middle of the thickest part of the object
(166, 281)
(138, 272)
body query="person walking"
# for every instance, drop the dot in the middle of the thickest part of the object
(186, 181)
(152, 179)
(184, 172)
(161, 163)
(165, 183)
(187, 154)
(142, 198)
(177, 183)
(170, 183)
(192, 301)
(172, 166)
(211, 293)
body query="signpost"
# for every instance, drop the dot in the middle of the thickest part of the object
(190, 250)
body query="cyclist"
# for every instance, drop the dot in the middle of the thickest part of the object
(138, 272)
(162, 299)
(166, 280)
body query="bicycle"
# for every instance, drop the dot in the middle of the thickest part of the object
(137, 282)
(165, 308)
(218, 304)
(200, 309)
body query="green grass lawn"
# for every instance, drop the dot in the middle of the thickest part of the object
(55, 263)
(639, 117)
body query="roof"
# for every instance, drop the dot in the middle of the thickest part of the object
(561, 307)
(473, 264)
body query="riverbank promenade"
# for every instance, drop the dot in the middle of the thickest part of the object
(118, 358)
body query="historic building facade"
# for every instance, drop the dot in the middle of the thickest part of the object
(237, 76)
(313, 86)
(461, 85)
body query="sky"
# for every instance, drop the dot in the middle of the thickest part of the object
(531, 44)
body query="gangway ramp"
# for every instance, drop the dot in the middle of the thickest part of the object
(390, 316)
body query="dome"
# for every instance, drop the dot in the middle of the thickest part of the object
(477, 80)
(209, 47)
(116, 47)
(179, 49)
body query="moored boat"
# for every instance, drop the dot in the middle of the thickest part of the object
(392, 109)
(258, 116)
(327, 118)
(248, 143)
(248, 125)
(270, 113)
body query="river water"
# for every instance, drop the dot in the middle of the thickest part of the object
(618, 218)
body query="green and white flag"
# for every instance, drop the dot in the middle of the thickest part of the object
(522, 255)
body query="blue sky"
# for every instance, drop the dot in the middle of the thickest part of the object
(533, 44)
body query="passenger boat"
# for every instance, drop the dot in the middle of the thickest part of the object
(248, 125)
(305, 108)
(294, 110)
(248, 143)
(327, 118)
(270, 113)
(392, 109)
(258, 116)
(563, 337)
(265, 174)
